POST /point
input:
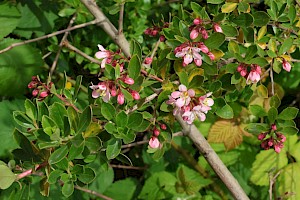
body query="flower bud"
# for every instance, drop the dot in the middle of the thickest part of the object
(261, 136)
(113, 92)
(128, 81)
(194, 34)
(32, 84)
(217, 28)
(211, 56)
(120, 98)
(154, 142)
(154, 32)
(43, 94)
(204, 34)
(162, 38)
(273, 127)
(148, 60)
(197, 21)
(35, 92)
(135, 95)
(163, 127)
(156, 132)
(243, 73)
(147, 31)
(286, 65)
(203, 48)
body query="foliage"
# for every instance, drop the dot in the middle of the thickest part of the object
(105, 121)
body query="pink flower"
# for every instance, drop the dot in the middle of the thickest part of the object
(120, 98)
(278, 147)
(100, 90)
(217, 28)
(273, 127)
(205, 103)
(154, 142)
(286, 65)
(196, 112)
(135, 95)
(182, 97)
(162, 38)
(103, 54)
(189, 54)
(242, 69)
(194, 34)
(148, 60)
(254, 75)
(197, 21)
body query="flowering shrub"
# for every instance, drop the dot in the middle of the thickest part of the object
(147, 101)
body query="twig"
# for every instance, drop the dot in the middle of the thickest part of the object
(294, 60)
(31, 171)
(151, 76)
(147, 99)
(177, 134)
(72, 48)
(49, 35)
(107, 26)
(92, 192)
(155, 48)
(212, 158)
(46, 55)
(121, 16)
(134, 144)
(272, 182)
(127, 167)
(61, 45)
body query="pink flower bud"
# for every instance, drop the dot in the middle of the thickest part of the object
(128, 81)
(217, 28)
(120, 98)
(240, 68)
(154, 142)
(163, 127)
(34, 78)
(211, 56)
(113, 92)
(261, 136)
(35, 92)
(278, 147)
(273, 127)
(286, 65)
(154, 32)
(32, 84)
(147, 31)
(197, 21)
(270, 142)
(204, 34)
(156, 132)
(194, 34)
(162, 38)
(243, 73)
(135, 95)
(43, 94)
(148, 60)
(203, 48)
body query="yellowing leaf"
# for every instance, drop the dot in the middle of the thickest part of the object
(195, 72)
(218, 54)
(227, 132)
(289, 181)
(92, 130)
(262, 31)
(262, 45)
(286, 57)
(228, 7)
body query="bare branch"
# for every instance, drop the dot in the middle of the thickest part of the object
(107, 26)
(127, 167)
(61, 45)
(212, 158)
(49, 35)
(92, 192)
(121, 15)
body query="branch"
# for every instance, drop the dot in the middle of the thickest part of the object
(127, 167)
(61, 45)
(272, 182)
(212, 158)
(50, 35)
(107, 26)
(121, 15)
(92, 192)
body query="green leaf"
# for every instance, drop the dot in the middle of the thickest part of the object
(54, 175)
(49, 126)
(288, 113)
(73, 118)
(87, 176)
(215, 40)
(225, 112)
(42, 109)
(257, 110)
(66, 12)
(23, 120)
(68, 188)
(92, 130)
(24, 143)
(135, 120)
(196, 8)
(9, 19)
(259, 61)
(289, 181)
(229, 31)
(57, 112)
(7, 177)
(262, 91)
(121, 119)
(215, 1)
(94, 144)
(110, 128)
(58, 155)
(275, 101)
(287, 44)
(228, 7)
(85, 119)
(113, 148)
(272, 114)
(265, 162)
(126, 189)
(257, 128)
(75, 151)
(135, 48)
(289, 130)
(183, 78)
(261, 18)
(31, 110)
(77, 87)
(243, 20)
(251, 52)
(108, 111)
(134, 67)
(196, 82)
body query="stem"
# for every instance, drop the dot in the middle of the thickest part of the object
(121, 16)
(134, 144)
(92, 192)
(272, 181)
(212, 158)
(61, 45)
(31, 171)
(49, 35)
(147, 99)
(127, 167)
(151, 76)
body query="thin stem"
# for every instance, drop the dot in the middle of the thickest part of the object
(272, 181)
(61, 45)
(72, 48)
(92, 192)
(31, 171)
(127, 167)
(147, 99)
(151, 76)
(49, 35)
(121, 16)
(155, 48)
(134, 144)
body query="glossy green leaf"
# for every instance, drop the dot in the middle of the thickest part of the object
(215, 1)
(261, 18)
(229, 31)
(77, 86)
(287, 44)
(48, 125)
(93, 144)
(275, 101)
(24, 143)
(7, 177)
(87, 176)
(10, 17)
(134, 67)
(73, 118)
(289, 130)
(289, 113)
(23, 120)
(75, 151)
(54, 175)
(243, 20)
(113, 148)
(225, 112)
(121, 119)
(108, 111)
(135, 120)
(135, 48)
(57, 112)
(58, 155)
(215, 40)
(257, 128)
(110, 128)
(272, 114)
(126, 189)
(31, 110)
(257, 110)
(68, 188)
(85, 119)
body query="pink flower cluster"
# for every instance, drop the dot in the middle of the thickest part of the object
(275, 140)
(155, 30)
(104, 54)
(191, 51)
(253, 76)
(40, 89)
(198, 29)
(154, 142)
(108, 89)
(189, 106)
